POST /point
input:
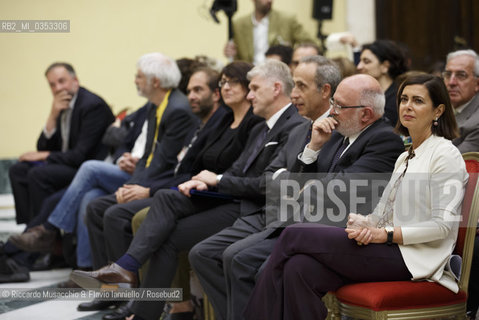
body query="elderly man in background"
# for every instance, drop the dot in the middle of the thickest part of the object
(461, 77)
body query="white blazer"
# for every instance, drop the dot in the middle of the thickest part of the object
(427, 207)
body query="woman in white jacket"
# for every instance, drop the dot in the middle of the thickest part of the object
(410, 235)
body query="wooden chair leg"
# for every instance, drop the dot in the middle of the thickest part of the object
(208, 309)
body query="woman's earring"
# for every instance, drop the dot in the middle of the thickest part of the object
(435, 122)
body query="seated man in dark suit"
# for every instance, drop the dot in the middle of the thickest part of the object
(227, 263)
(75, 125)
(177, 220)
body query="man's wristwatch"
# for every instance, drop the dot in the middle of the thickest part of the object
(390, 234)
(218, 178)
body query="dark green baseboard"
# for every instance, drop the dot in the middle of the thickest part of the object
(4, 181)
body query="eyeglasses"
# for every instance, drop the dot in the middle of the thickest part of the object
(459, 75)
(337, 108)
(230, 82)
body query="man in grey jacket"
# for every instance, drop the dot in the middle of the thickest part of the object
(461, 77)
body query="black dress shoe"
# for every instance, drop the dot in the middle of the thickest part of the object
(119, 314)
(11, 271)
(96, 305)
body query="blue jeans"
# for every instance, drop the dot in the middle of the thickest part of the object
(93, 179)
(83, 251)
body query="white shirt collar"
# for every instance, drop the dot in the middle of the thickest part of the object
(264, 21)
(272, 121)
(324, 115)
(461, 108)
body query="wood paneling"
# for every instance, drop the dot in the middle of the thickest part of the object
(429, 28)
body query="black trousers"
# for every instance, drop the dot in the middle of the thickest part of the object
(109, 227)
(32, 184)
(173, 224)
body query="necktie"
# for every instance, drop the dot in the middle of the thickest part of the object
(338, 153)
(308, 136)
(387, 218)
(259, 143)
(65, 121)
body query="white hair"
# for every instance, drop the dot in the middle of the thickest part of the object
(468, 52)
(375, 99)
(157, 65)
(276, 71)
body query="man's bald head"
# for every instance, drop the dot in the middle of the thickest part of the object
(358, 102)
(365, 90)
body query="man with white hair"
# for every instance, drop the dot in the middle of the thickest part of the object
(461, 77)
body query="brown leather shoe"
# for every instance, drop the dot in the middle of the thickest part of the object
(109, 277)
(36, 239)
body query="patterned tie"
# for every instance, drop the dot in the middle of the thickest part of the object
(260, 140)
(338, 153)
(387, 218)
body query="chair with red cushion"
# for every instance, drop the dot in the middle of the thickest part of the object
(418, 299)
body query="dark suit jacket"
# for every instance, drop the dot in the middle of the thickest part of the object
(468, 123)
(169, 178)
(288, 156)
(248, 185)
(176, 123)
(90, 118)
(374, 151)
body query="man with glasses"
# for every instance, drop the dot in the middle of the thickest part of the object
(228, 262)
(461, 77)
